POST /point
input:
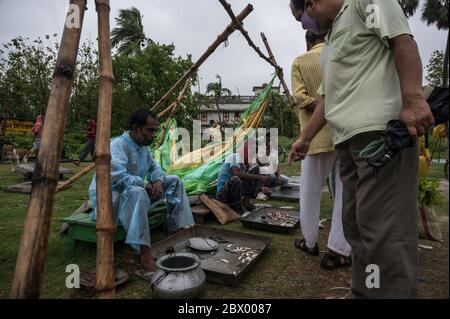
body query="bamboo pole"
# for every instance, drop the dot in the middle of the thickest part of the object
(220, 39)
(33, 245)
(279, 71)
(172, 112)
(244, 32)
(74, 178)
(179, 99)
(105, 277)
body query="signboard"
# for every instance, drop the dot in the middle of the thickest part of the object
(14, 126)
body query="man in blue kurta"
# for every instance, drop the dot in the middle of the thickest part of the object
(137, 183)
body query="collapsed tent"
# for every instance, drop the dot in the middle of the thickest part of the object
(199, 169)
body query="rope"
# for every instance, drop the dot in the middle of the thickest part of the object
(372, 149)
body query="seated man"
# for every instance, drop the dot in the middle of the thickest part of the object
(137, 182)
(270, 166)
(236, 186)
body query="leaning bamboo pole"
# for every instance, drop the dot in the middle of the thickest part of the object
(105, 281)
(33, 245)
(179, 99)
(278, 70)
(172, 113)
(244, 32)
(74, 178)
(220, 39)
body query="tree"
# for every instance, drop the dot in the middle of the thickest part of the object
(435, 69)
(436, 12)
(140, 80)
(26, 75)
(279, 114)
(433, 12)
(216, 90)
(409, 6)
(129, 36)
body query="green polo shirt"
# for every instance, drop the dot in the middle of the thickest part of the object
(360, 81)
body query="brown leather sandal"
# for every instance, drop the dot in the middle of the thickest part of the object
(301, 244)
(330, 262)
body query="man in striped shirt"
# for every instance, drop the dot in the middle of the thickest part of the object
(319, 162)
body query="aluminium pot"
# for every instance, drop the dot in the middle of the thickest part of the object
(179, 276)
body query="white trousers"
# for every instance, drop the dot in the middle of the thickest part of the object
(315, 170)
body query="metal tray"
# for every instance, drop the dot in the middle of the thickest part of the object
(212, 263)
(255, 220)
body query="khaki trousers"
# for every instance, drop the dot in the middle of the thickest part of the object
(380, 220)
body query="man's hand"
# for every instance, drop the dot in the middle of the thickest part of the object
(155, 190)
(417, 116)
(266, 191)
(298, 150)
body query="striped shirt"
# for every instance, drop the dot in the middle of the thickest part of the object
(306, 79)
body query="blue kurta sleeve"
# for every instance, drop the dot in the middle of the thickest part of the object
(154, 171)
(120, 177)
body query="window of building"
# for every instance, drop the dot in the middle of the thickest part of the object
(226, 116)
(204, 117)
(237, 116)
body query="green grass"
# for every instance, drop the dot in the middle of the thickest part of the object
(282, 272)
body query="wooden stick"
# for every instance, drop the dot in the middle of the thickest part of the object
(179, 99)
(105, 277)
(220, 39)
(177, 102)
(278, 70)
(74, 178)
(33, 245)
(244, 32)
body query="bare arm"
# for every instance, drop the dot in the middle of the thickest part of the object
(415, 113)
(316, 123)
(248, 177)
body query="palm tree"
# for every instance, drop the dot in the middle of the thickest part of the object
(129, 36)
(436, 12)
(433, 12)
(215, 89)
(409, 6)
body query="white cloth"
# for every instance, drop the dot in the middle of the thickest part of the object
(315, 169)
(272, 161)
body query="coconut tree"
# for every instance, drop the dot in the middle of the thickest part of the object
(215, 89)
(433, 12)
(436, 12)
(129, 36)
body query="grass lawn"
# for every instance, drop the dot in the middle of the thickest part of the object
(282, 272)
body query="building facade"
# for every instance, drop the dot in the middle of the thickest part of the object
(229, 109)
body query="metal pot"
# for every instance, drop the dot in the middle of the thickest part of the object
(179, 276)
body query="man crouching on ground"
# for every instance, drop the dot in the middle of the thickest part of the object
(137, 182)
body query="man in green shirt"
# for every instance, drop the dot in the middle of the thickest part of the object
(372, 73)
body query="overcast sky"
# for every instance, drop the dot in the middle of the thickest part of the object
(192, 25)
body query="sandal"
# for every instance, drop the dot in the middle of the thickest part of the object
(330, 262)
(301, 244)
(147, 275)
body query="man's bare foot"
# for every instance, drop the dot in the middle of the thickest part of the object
(147, 260)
